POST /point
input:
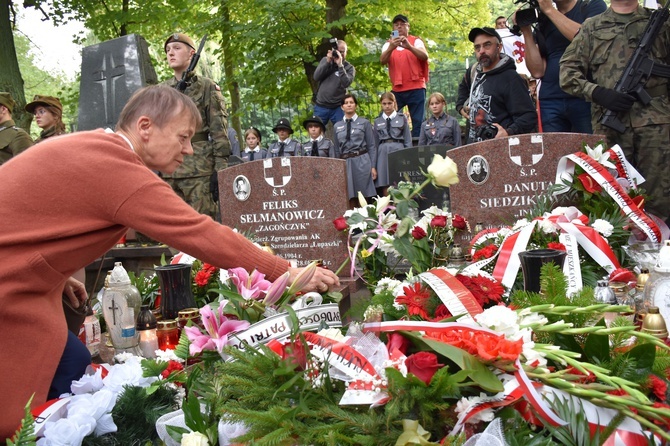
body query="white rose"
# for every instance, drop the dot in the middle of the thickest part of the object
(443, 171)
(547, 226)
(603, 226)
(194, 439)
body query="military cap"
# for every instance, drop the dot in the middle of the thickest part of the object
(400, 17)
(283, 124)
(7, 100)
(179, 37)
(474, 32)
(314, 120)
(43, 100)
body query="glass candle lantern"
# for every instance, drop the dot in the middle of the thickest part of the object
(168, 334)
(146, 327)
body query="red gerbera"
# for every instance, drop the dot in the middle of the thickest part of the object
(485, 290)
(415, 299)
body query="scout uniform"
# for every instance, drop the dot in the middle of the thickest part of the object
(442, 130)
(321, 146)
(392, 133)
(46, 101)
(13, 139)
(355, 142)
(288, 147)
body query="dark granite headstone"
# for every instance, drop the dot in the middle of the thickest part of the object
(111, 71)
(289, 203)
(500, 178)
(408, 163)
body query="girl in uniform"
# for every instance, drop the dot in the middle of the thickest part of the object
(355, 142)
(392, 133)
(48, 113)
(253, 150)
(439, 128)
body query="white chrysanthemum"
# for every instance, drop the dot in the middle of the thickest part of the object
(520, 223)
(603, 226)
(501, 319)
(547, 226)
(168, 355)
(560, 210)
(389, 284)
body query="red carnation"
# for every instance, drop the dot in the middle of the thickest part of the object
(202, 278)
(439, 221)
(418, 233)
(486, 252)
(340, 223)
(556, 245)
(423, 365)
(441, 312)
(657, 386)
(459, 222)
(173, 366)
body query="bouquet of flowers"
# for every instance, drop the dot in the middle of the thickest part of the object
(388, 236)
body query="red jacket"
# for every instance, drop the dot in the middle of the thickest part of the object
(406, 71)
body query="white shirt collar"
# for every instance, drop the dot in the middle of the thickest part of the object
(392, 115)
(257, 149)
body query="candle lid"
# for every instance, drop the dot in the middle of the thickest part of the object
(168, 324)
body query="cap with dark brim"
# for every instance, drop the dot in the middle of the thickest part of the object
(283, 123)
(484, 30)
(400, 17)
(314, 120)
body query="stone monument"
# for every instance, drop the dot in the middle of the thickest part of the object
(289, 203)
(500, 179)
(407, 164)
(111, 71)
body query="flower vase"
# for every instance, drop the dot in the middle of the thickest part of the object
(531, 264)
(176, 292)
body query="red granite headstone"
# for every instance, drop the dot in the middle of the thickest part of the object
(501, 178)
(290, 204)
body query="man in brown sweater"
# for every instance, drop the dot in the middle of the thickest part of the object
(68, 200)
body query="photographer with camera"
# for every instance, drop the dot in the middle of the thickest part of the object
(334, 75)
(555, 29)
(492, 95)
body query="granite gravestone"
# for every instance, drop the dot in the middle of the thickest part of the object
(289, 203)
(500, 179)
(111, 71)
(406, 164)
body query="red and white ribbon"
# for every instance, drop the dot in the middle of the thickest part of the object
(453, 294)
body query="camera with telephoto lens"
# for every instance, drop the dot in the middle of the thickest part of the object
(486, 131)
(333, 44)
(525, 17)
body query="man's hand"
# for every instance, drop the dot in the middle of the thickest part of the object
(75, 291)
(465, 111)
(501, 131)
(321, 282)
(613, 100)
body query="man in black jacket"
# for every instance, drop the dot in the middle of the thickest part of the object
(492, 96)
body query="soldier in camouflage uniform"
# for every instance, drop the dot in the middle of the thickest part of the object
(13, 139)
(590, 68)
(195, 180)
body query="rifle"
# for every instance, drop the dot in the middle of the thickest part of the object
(640, 67)
(181, 85)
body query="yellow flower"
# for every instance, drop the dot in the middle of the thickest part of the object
(443, 171)
(365, 253)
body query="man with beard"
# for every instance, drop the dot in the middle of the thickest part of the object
(492, 95)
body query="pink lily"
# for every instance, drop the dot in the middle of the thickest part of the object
(249, 286)
(217, 327)
(276, 290)
(303, 278)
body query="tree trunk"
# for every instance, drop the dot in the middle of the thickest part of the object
(10, 74)
(229, 71)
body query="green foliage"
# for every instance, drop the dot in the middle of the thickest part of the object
(25, 436)
(577, 432)
(135, 415)
(147, 286)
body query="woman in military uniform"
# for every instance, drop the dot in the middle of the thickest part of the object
(48, 113)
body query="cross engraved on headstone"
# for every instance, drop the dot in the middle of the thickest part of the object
(277, 176)
(107, 76)
(526, 154)
(114, 307)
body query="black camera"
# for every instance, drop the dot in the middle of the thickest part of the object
(525, 17)
(486, 131)
(334, 47)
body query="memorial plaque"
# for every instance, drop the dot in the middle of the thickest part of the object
(111, 71)
(409, 162)
(501, 178)
(290, 204)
